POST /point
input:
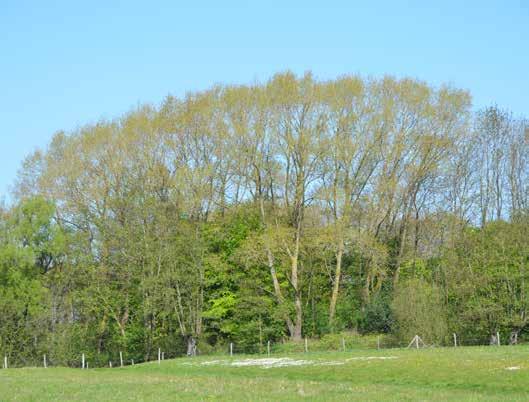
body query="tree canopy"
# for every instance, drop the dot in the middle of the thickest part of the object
(273, 211)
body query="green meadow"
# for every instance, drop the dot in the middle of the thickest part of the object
(454, 374)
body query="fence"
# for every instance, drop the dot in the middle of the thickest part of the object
(330, 344)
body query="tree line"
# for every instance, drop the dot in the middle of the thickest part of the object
(273, 211)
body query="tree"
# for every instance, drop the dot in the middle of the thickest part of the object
(283, 209)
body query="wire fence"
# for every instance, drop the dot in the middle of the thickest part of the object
(349, 343)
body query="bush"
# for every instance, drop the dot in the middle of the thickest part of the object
(333, 342)
(376, 316)
(419, 309)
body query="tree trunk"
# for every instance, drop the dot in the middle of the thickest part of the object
(404, 232)
(297, 335)
(191, 346)
(336, 286)
(513, 338)
(493, 339)
(273, 273)
(277, 290)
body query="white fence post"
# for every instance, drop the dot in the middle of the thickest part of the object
(306, 345)
(45, 362)
(82, 361)
(121, 359)
(159, 355)
(268, 348)
(455, 339)
(231, 348)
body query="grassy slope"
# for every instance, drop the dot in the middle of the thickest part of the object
(434, 374)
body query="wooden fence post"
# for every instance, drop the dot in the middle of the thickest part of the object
(268, 348)
(5, 362)
(44, 361)
(306, 345)
(159, 356)
(455, 339)
(498, 337)
(82, 361)
(121, 359)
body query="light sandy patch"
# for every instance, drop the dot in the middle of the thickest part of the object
(287, 362)
(512, 368)
(270, 362)
(371, 358)
(331, 363)
(212, 363)
(264, 363)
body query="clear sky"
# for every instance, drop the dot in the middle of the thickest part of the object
(67, 63)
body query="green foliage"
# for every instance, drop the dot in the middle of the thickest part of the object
(30, 244)
(334, 342)
(272, 212)
(377, 316)
(419, 308)
(486, 281)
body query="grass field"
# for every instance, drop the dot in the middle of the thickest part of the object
(457, 374)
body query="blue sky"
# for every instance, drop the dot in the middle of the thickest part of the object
(67, 63)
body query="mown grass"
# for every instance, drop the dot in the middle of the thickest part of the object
(455, 374)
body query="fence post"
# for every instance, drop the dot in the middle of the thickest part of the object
(44, 361)
(5, 362)
(110, 363)
(343, 344)
(121, 359)
(163, 355)
(498, 337)
(231, 348)
(378, 342)
(82, 361)
(132, 362)
(159, 356)
(268, 348)
(416, 341)
(455, 339)
(306, 345)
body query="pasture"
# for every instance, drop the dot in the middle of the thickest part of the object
(457, 374)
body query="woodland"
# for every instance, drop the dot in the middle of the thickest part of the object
(275, 211)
